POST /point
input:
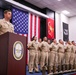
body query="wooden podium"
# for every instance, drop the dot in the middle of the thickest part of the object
(12, 54)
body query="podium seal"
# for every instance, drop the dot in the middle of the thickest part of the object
(18, 50)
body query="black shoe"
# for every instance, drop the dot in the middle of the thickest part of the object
(40, 70)
(36, 71)
(31, 72)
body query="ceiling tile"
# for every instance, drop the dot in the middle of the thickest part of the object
(58, 6)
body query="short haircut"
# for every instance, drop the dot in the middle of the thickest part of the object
(33, 38)
(5, 12)
(72, 41)
(59, 40)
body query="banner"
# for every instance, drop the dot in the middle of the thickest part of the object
(50, 29)
(65, 32)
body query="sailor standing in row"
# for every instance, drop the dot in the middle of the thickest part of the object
(61, 54)
(72, 58)
(44, 53)
(53, 56)
(68, 50)
(33, 55)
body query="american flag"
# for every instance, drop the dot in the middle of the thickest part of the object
(26, 24)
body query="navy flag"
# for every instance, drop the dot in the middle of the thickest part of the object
(65, 32)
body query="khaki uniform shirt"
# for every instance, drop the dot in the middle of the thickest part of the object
(68, 48)
(61, 48)
(44, 46)
(73, 48)
(49, 47)
(39, 44)
(33, 45)
(5, 26)
(54, 47)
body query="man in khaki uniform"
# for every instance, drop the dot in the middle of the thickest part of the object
(60, 54)
(39, 51)
(44, 53)
(72, 58)
(53, 56)
(33, 55)
(49, 42)
(5, 25)
(68, 50)
(75, 59)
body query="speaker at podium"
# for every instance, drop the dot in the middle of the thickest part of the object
(12, 54)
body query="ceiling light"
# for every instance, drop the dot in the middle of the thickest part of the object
(59, 0)
(65, 12)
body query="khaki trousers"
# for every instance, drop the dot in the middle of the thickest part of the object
(39, 55)
(67, 58)
(33, 60)
(75, 59)
(53, 58)
(43, 59)
(72, 58)
(60, 58)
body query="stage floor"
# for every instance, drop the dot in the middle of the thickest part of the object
(40, 73)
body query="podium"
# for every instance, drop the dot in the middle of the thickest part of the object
(12, 54)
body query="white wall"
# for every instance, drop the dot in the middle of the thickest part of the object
(57, 26)
(60, 18)
(72, 28)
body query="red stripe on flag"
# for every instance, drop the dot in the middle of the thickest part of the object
(35, 26)
(30, 26)
(22, 34)
(38, 27)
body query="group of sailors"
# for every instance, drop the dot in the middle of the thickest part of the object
(54, 56)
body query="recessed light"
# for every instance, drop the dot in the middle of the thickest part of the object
(66, 12)
(59, 0)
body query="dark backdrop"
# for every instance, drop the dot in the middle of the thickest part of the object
(43, 28)
(1, 13)
(65, 32)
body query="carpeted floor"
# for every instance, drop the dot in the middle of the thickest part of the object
(27, 73)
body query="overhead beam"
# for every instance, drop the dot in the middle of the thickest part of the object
(19, 5)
